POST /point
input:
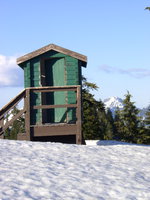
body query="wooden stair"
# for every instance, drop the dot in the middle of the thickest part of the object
(3, 112)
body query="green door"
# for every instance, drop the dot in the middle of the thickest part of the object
(55, 76)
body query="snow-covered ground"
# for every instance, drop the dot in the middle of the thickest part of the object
(52, 171)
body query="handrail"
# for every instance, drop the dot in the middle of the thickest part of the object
(54, 88)
(54, 106)
(12, 103)
(26, 94)
(7, 108)
(72, 87)
(11, 121)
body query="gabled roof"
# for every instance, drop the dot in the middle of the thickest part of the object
(55, 48)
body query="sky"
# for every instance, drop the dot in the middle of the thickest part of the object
(114, 35)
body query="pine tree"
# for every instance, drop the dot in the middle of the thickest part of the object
(147, 119)
(109, 132)
(102, 120)
(147, 8)
(92, 126)
(128, 121)
(97, 123)
(16, 127)
(118, 125)
(144, 137)
(90, 122)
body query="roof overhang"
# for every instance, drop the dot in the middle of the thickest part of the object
(54, 47)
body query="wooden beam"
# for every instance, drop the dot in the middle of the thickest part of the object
(1, 122)
(12, 103)
(1, 136)
(27, 115)
(53, 89)
(22, 136)
(55, 48)
(78, 115)
(1, 128)
(50, 130)
(54, 106)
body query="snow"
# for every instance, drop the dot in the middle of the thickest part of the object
(113, 103)
(53, 171)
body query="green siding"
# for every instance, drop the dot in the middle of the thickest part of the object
(27, 75)
(72, 79)
(72, 71)
(35, 74)
(36, 115)
(64, 70)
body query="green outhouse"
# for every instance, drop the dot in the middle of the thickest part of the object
(52, 66)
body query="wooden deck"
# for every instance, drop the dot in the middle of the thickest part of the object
(34, 132)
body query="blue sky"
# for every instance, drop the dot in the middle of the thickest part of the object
(114, 35)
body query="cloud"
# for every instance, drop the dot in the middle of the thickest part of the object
(134, 72)
(10, 73)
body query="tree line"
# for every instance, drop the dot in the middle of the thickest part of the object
(99, 123)
(126, 125)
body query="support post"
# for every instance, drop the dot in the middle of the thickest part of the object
(27, 115)
(1, 127)
(78, 116)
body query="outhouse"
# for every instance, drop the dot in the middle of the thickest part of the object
(52, 73)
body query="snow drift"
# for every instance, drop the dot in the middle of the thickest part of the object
(53, 171)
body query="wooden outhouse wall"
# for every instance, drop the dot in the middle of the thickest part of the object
(32, 78)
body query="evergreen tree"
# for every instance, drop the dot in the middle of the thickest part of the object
(128, 121)
(102, 120)
(118, 124)
(147, 8)
(16, 127)
(92, 126)
(147, 119)
(90, 122)
(144, 137)
(109, 131)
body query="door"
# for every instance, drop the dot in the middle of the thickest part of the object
(53, 74)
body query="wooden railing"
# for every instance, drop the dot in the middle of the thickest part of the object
(41, 129)
(4, 124)
(58, 128)
(57, 89)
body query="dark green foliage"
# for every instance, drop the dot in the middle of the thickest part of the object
(125, 126)
(90, 118)
(16, 127)
(147, 8)
(144, 136)
(117, 125)
(129, 126)
(95, 123)
(99, 124)
(147, 119)
(127, 121)
(109, 132)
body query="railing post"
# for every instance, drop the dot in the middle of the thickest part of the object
(27, 115)
(78, 116)
(1, 127)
